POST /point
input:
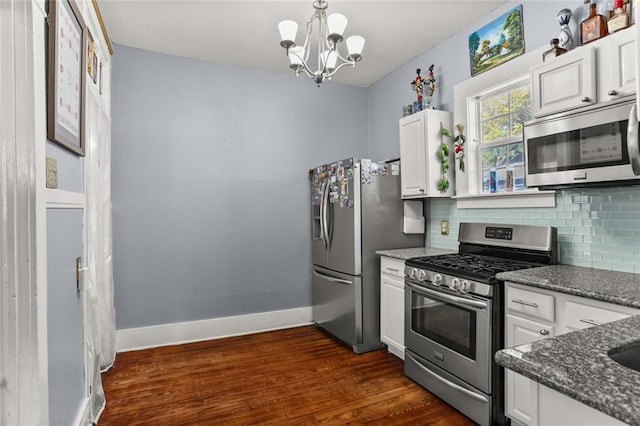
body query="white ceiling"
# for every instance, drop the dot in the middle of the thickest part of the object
(245, 33)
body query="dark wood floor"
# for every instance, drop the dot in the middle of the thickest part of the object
(299, 376)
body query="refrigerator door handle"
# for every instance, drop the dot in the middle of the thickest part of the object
(332, 279)
(323, 215)
(330, 227)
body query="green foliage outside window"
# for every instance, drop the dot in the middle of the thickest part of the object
(502, 118)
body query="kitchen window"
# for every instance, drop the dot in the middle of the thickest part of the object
(500, 114)
(492, 108)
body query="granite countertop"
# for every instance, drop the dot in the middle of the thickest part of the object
(576, 364)
(621, 288)
(408, 253)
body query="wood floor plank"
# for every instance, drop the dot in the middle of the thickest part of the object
(298, 376)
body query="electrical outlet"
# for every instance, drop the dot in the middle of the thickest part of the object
(444, 227)
(52, 173)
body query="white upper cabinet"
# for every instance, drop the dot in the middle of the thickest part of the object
(564, 83)
(602, 71)
(420, 144)
(617, 66)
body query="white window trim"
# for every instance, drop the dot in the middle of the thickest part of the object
(468, 193)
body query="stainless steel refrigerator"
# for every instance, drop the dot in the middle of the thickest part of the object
(356, 210)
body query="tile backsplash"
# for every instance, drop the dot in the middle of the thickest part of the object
(597, 227)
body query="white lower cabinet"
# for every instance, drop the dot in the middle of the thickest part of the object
(522, 403)
(559, 409)
(534, 314)
(392, 305)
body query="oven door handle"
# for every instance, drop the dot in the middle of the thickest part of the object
(452, 385)
(448, 297)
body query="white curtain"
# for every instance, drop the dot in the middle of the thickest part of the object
(99, 282)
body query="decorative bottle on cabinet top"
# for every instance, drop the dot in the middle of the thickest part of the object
(620, 18)
(565, 37)
(594, 27)
(555, 50)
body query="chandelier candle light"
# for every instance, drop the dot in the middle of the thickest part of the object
(330, 33)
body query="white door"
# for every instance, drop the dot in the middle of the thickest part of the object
(65, 315)
(565, 83)
(412, 156)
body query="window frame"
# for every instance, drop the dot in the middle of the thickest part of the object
(468, 182)
(475, 127)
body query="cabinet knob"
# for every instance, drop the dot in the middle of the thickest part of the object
(613, 93)
(544, 332)
(586, 99)
(421, 189)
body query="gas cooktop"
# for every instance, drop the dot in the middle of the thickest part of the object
(472, 266)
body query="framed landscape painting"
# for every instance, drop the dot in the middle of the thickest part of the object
(497, 42)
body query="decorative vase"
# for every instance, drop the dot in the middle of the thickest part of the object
(565, 37)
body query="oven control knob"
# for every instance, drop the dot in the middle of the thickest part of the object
(454, 284)
(413, 273)
(422, 275)
(437, 279)
(465, 286)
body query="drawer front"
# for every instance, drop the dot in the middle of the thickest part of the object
(394, 267)
(531, 303)
(581, 316)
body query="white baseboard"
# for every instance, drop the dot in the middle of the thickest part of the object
(131, 339)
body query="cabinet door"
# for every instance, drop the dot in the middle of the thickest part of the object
(617, 58)
(564, 83)
(559, 409)
(412, 156)
(65, 316)
(392, 314)
(521, 394)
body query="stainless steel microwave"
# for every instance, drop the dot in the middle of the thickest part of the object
(596, 146)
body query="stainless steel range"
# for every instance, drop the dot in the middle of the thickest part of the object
(454, 317)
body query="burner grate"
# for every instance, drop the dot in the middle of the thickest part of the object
(471, 265)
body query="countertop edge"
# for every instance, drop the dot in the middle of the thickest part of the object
(408, 253)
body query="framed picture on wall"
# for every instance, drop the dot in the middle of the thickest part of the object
(497, 42)
(66, 77)
(91, 70)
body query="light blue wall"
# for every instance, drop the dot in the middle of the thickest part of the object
(70, 168)
(210, 184)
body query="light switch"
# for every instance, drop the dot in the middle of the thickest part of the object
(52, 173)
(444, 227)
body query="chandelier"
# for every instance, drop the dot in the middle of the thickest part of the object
(330, 32)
